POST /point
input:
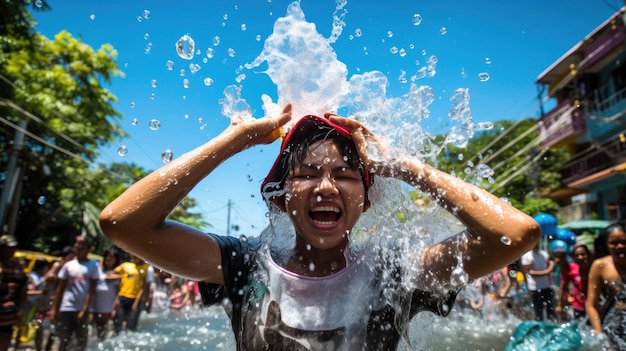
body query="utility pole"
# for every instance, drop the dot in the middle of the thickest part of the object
(230, 204)
(14, 173)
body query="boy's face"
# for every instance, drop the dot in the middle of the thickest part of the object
(324, 196)
(81, 249)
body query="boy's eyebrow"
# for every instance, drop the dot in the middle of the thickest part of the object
(316, 167)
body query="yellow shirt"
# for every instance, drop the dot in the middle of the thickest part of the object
(133, 277)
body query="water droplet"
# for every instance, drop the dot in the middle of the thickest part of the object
(402, 78)
(139, 19)
(358, 32)
(312, 266)
(122, 150)
(393, 50)
(39, 3)
(225, 17)
(417, 19)
(443, 31)
(460, 157)
(41, 200)
(186, 83)
(154, 83)
(389, 34)
(185, 47)
(148, 48)
(210, 52)
(169, 65)
(182, 73)
(488, 60)
(258, 37)
(216, 40)
(194, 67)
(483, 76)
(243, 27)
(208, 81)
(483, 126)
(132, 104)
(154, 124)
(146, 36)
(152, 96)
(167, 156)
(134, 121)
(423, 52)
(402, 52)
(146, 14)
(484, 171)
(92, 17)
(506, 240)
(231, 52)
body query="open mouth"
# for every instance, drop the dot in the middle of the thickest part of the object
(325, 215)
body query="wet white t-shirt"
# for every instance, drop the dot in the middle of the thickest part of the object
(355, 309)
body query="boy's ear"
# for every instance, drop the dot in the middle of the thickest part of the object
(279, 202)
(366, 206)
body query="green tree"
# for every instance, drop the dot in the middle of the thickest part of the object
(53, 91)
(507, 161)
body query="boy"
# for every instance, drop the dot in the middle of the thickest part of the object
(318, 294)
(76, 285)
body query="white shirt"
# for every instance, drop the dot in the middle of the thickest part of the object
(539, 262)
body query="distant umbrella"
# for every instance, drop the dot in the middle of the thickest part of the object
(595, 226)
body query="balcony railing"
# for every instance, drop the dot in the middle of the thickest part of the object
(595, 159)
(564, 121)
(609, 106)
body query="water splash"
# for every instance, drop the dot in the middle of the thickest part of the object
(294, 54)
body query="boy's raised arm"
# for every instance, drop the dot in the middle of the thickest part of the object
(136, 220)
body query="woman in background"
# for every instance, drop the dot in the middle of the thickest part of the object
(575, 275)
(104, 302)
(606, 278)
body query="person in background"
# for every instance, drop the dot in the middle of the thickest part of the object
(133, 285)
(180, 295)
(40, 298)
(573, 282)
(607, 279)
(13, 289)
(103, 304)
(539, 267)
(76, 286)
(52, 280)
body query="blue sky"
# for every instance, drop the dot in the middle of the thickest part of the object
(511, 41)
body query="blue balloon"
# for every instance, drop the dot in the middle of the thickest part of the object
(556, 245)
(547, 223)
(566, 235)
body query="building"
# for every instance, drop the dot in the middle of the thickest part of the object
(587, 87)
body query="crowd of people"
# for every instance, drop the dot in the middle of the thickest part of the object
(558, 284)
(58, 304)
